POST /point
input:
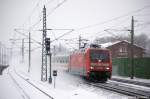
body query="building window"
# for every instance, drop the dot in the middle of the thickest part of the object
(123, 50)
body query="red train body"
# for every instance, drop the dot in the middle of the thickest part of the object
(92, 63)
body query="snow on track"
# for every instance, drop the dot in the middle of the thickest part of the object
(8, 89)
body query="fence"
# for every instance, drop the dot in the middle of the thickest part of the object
(122, 67)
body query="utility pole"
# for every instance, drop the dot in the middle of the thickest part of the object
(59, 47)
(50, 63)
(29, 52)
(22, 50)
(4, 53)
(132, 48)
(79, 41)
(44, 53)
(54, 51)
(0, 55)
(48, 51)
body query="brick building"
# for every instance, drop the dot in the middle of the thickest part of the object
(123, 49)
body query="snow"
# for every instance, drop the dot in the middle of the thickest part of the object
(8, 89)
(105, 45)
(67, 86)
(132, 86)
(135, 79)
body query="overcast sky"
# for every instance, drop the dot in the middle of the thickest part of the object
(73, 14)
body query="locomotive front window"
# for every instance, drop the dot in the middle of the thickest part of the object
(97, 55)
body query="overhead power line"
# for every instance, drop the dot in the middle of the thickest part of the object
(32, 12)
(27, 36)
(35, 8)
(58, 5)
(63, 35)
(125, 28)
(116, 18)
(141, 15)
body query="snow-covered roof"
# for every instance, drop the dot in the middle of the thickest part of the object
(105, 45)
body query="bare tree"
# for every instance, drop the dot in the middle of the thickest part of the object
(141, 40)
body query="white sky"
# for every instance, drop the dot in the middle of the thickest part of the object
(73, 14)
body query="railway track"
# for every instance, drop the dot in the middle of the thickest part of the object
(108, 86)
(22, 92)
(131, 82)
(122, 89)
(27, 80)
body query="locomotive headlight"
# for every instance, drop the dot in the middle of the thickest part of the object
(92, 67)
(107, 68)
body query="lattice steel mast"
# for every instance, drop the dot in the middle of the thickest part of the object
(44, 52)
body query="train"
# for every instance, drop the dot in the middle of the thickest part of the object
(94, 63)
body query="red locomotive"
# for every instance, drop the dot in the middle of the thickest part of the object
(92, 63)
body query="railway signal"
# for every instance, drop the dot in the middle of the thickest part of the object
(54, 74)
(47, 42)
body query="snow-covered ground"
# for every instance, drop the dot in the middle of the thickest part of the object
(67, 86)
(8, 90)
(135, 79)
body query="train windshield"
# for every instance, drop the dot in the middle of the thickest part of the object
(99, 56)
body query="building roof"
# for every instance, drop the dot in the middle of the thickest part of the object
(108, 44)
(105, 45)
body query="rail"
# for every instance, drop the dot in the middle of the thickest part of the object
(27, 80)
(132, 82)
(122, 89)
